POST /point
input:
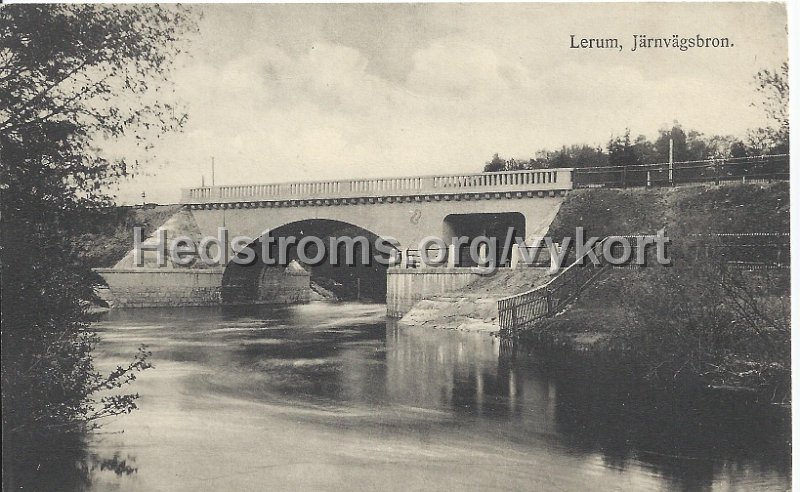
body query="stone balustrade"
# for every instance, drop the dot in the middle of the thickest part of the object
(513, 181)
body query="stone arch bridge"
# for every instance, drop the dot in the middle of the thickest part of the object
(406, 209)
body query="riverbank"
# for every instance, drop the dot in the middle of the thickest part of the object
(699, 320)
(474, 307)
(705, 325)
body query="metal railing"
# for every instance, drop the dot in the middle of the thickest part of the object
(440, 258)
(536, 256)
(746, 251)
(744, 169)
(523, 310)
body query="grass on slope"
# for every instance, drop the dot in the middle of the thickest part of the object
(102, 238)
(679, 320)
(737, 208)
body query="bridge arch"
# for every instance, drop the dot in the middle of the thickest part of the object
(348, 265)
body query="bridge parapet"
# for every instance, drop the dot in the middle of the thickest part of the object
(512, 181)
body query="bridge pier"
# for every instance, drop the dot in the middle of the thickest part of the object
(173, 287)
(162, 287)
(407, 286)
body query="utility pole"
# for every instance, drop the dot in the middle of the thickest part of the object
(212, 168)
(671, 181)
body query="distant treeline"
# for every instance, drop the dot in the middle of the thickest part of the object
(627, 151)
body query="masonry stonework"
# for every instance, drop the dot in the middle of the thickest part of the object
(407, 286)
(166, 287)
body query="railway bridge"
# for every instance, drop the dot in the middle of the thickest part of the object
(403, 209)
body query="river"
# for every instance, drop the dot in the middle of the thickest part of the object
(335, 396)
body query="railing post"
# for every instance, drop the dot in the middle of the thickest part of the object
(554, 264)
(514, 256)
(512, 321)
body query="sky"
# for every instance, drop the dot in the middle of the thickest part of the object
(280, 93)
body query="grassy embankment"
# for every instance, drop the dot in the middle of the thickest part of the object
(696, 320)
(102, 238)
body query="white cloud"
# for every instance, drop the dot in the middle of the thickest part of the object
(278, 106)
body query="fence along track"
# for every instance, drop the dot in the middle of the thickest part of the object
(764, 168)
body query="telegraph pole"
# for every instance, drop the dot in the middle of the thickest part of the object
(212, 168)
(671, 181)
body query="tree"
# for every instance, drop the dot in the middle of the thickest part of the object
(724, 146)
(679, 147)
(689, 146)
(773, 87)
(738, 149)
(577, 156)
(71, 77)
(516, 165)
(621, 152)
(497, 164)
(645, 150)
(588, 156)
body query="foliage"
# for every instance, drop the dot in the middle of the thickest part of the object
(71, 78)
(621, 151)
(727, 327)
(112, 228)
(773, 87)
(572, 156)
(624, 150)
(95, 75)
(688, 145)
(495, 165)
(697, 320)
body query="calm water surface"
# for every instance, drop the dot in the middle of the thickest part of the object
(334, 396)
